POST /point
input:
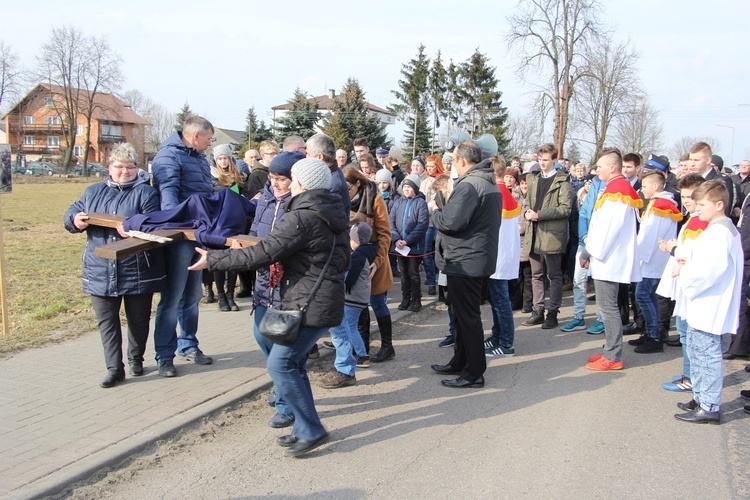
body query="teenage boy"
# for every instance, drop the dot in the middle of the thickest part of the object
(711, 279)
(611, 253)
(658, 222)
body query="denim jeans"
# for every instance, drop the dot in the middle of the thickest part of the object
(645, 294)
(580, 279)
(287, 365)
(707, 368)
(178, 303)
(379, 304)
(503, 329)
(682, 327)
(429, 257)
(265, 347)
(345, 337)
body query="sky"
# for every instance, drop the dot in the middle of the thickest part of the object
(224, 56)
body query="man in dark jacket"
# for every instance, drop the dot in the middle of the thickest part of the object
(468, 228)
(700, 159)
(181, 170)
(321, 146)
(259, 174)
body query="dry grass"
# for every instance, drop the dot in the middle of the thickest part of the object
(43, 264)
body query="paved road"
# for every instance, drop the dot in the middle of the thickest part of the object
(542, 426)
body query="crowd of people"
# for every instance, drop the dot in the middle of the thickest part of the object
(479, 230)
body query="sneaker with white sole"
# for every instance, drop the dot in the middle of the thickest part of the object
(682, 384)
(500, 352)
(574, 325)
(448, 341)
(490, 343)
(596, 328)
(362, 361)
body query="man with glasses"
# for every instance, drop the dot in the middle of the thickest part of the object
(294, 144)
(259, 175)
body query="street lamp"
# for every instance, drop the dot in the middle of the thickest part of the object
(731, 158)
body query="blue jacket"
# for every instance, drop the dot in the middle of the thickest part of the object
(180, 171)
(340, 188)
(409, 221)
(139, 274)
(584, 215)
(268, 214)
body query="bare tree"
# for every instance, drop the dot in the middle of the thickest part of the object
(683, 144)
(525, 134)
(638, 130)
(552, 35)
(605, 92)
(10, 74)
(161, 120)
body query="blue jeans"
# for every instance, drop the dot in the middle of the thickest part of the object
(265, 347)
(682, 327)
(287, 365)
(344, 338)
(580, 279)
(178, 303)
(707, 368)
(379, 304)
(645, 295)
(429, 257)
(503, 329)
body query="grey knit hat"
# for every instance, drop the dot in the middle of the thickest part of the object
(222, 150)
(447, 158)
(312, 173)
(360, 233)
(383, 175)
(412, 180)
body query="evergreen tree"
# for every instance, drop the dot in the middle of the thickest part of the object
(422, 141)
(486, 114)
(438, 86)
(453, 101)
(350, 119)
(251, 125)
(183, 115)
(300, 119)
(413, 106)
(263, 132)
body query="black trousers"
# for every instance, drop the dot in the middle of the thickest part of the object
(466, 295)
(138, 314)
(410, 280)
(740, 345)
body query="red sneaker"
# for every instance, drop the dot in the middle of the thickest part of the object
(595, 357)
(604, 365)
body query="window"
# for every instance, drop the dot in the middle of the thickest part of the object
(135, 133)
(111, 130)
(53, 120)
(78, 151)
(28, 120)
(28, 140)
(79, 129)
(49, 101)
(53, 141)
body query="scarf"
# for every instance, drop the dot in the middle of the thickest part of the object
(363, 201)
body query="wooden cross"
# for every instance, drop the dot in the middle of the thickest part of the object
(131, 246)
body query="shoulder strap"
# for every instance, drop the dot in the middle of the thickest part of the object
(320, 278)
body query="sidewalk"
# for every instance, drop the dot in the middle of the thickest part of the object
(58, 426)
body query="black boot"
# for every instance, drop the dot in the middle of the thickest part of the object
(405, 301)
(363, 327)
(551, 321)
(246, 289)
(223, 304)
(416, 303)
(210, 297)
(536, 318)
(386, 346)
(230, 302)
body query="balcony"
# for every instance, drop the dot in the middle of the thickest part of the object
(36, 128)
(104, 139)
(41, 150)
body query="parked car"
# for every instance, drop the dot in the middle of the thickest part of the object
(19, 169)
(95, 169)
(41, 168)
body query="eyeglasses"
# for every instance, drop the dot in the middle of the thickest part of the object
(125, 168)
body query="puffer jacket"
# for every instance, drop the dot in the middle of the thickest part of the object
(302, 241)
(139, 274)
(468, 226)
(549, 234)
(180, 171)
(269, 212)
(409, 219)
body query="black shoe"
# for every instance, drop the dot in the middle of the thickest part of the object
(673, 341)
(302, 446)
(198, 357)
(745, 395)
(689, 406)
(448, 341)
(747, 368)
(136, 368)
(385, 353)
(210, 297)
(405, 301)
(699, 416)
(286, 441)
(243, 293)
(746, 408)
(729, 356)
(632, 329)
(111, 379)
(231, 303)
(551, 321)
(650, 346)
(445, 369)
(416, 304)
(536, 318)
(639, 341)
(166, 368)
(223, 304)
(462, 383)
(314, 352)
(431, 290)
(526, 310)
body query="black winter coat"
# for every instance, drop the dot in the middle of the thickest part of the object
(302, 241)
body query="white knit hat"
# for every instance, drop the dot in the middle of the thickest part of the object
(312, 173)
(221, 150)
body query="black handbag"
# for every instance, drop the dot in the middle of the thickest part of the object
(282, 326)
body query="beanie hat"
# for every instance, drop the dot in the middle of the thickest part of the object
(312, 173)
(413, 181)
(222, 150)
(282, 164)
(360, 233)
(655, 162)
(718, 161)
(420, 160)
(447, 158)
(383, 175)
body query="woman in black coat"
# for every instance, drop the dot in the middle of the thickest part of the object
(126, 191)
(301, 242)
